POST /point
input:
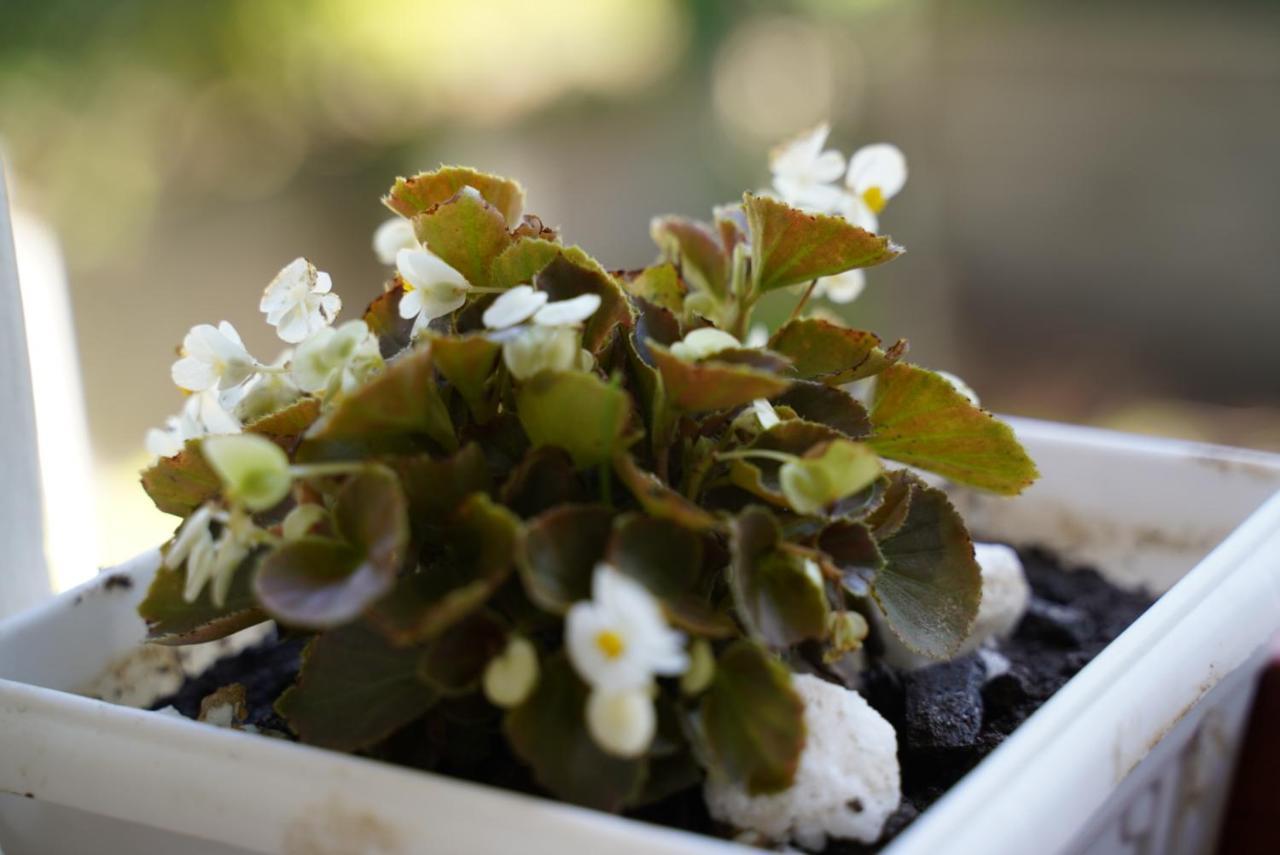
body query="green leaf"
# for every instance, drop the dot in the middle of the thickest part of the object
(392, 413)
(852, 553)
(696, 249)
(660, 500)
(660, 285)
(576, 411)
(826, 405)
(435, 487)
(319, 582)
(712, 385)
(930, 586)
(833, 354)
(779, 596)
(760, 476)
(753, 720)
(573, 273)
(354, 690)
(455, 661)
(468, 363)
(181, 483)
(546, 477)
(478, 556)
(660, 554)
(549, 732)
(412, 196)
(790, 247)
(521, 261)
(172, 620)
(286, 424)
(920, 419)
(561, 549)
(827, 474)
(890, 512)
(467, 233)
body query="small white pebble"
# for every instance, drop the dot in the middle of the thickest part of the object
(847, 785)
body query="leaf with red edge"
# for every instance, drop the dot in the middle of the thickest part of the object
(561, 549)
(833, 354)
(467, 233)
(354, 690)
(392, 413)
(711, 385)
(319, 582)
(930, 586)
(753, 720)
(172, 620)
(573, 273)
(696, 249)
(549, 733)
(920, 419)
(522, 260)
(789, 246)
(411, 196)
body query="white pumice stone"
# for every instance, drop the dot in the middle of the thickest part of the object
(1005, 593)
(847, 784)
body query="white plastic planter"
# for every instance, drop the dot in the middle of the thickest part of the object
(1132, 755)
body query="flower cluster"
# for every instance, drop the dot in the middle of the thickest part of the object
(807, 176)
(597, 516)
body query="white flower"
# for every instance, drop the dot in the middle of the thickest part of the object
(266, 392)
(876, 174)
(702, 343)
(206, 559)
(336, 359)
(765, 413)
(622, 723)
(804, 174)
(847, 784)
(567, 312)
(843, 287)
(514, 306)
(298, 303)
(433, 289)
(619, 639)
(511, 675)
(212, 357)
(530, 350)
(202, 414)
(757, 336)
(391, 237)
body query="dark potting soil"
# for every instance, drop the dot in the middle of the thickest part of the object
(947, 716)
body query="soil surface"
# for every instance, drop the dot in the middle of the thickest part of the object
(948, 716)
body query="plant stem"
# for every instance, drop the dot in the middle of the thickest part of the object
(761, 453)
(320, 470)
(804, 298)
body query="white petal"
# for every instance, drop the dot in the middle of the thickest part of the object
(827, 167)
(568, 312)
(702, 343)
(622, 723)
(440, 301)
(391, 237)
(330, 305)
(514, 306)
(758, 336)
(411, 303)
(423, 269)
(294, 325)
(960, 386)
(230, 334)
(765, 413)
(880, 165)
(193, 374)
(844, 287)
(214, 419)
(323, 283)
(162, 442)
(797, 154)
(853, 209)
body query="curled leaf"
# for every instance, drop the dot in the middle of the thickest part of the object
(412, 196)
(832, 354)
(710, 384)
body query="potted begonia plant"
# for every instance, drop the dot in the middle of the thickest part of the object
(589, 533)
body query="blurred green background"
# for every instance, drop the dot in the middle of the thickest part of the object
(1091, 216)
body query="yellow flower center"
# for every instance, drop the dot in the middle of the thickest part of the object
(874, 198)
(610, 643)
(405, 284)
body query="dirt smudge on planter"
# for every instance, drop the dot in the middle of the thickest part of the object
(333, 828)
(117, 582)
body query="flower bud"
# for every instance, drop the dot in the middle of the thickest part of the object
(254, 470)
(511, 675)
(622, 723)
